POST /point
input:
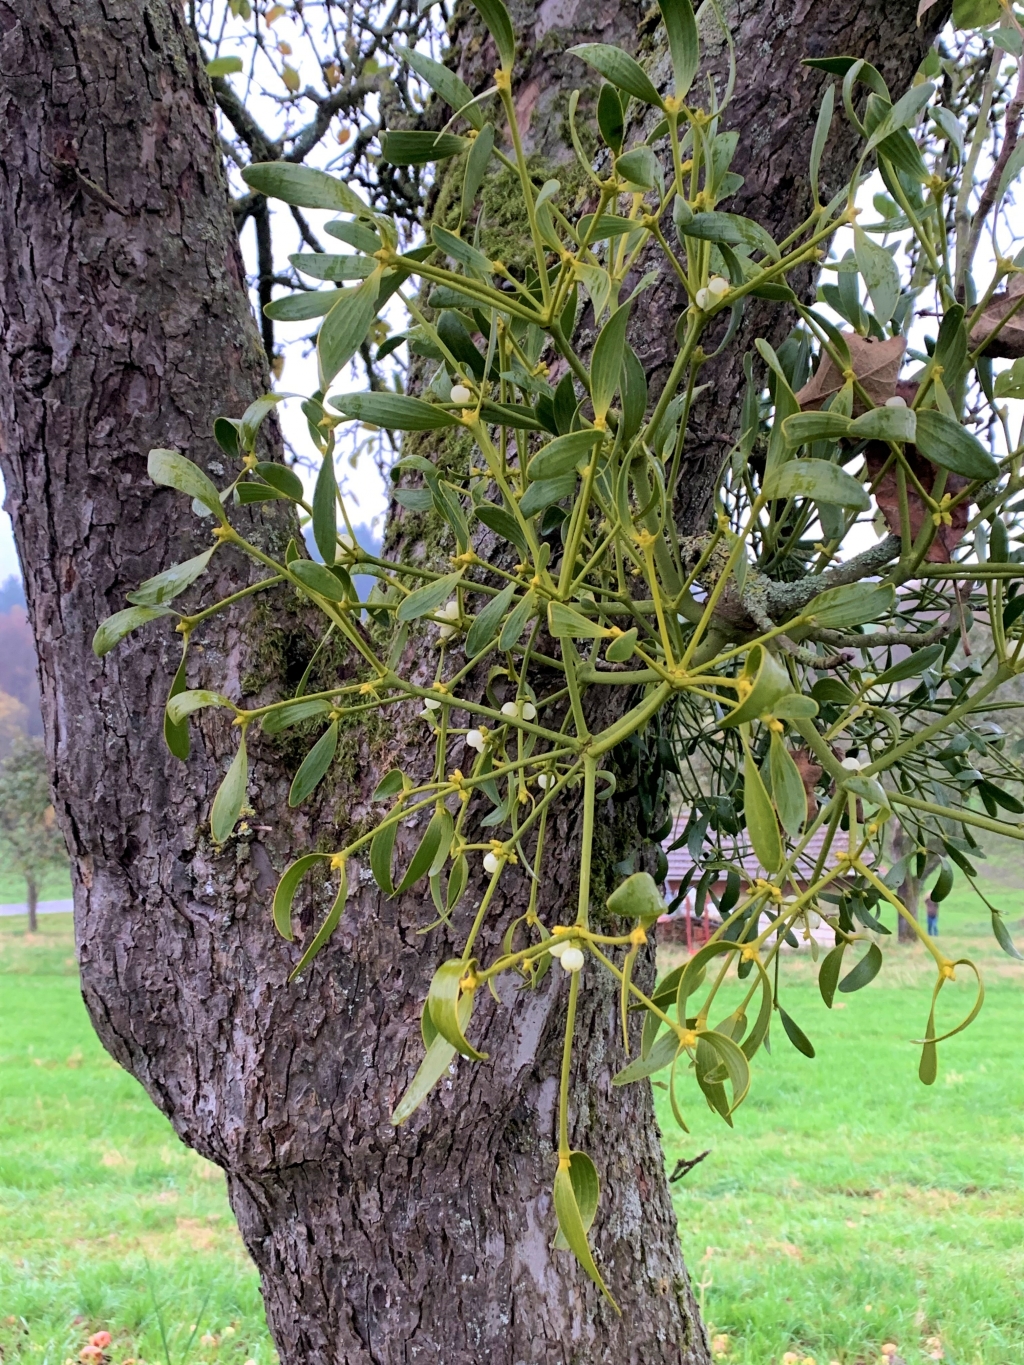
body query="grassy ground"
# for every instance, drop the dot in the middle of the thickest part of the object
(106, 1221)
(850, 1207)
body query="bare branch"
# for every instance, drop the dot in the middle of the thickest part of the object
(260, 145)
(351, 97)
(882, 639)
(266, 278)
(1014, 110)
(305, 231)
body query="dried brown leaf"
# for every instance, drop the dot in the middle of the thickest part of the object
(1009, 341)
(947, 538)
(810, 775)
(875, 363)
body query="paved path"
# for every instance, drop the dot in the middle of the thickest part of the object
(43, 908)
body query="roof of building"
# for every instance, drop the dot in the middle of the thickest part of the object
(680, 860)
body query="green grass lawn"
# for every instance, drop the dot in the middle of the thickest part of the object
(106, 1221)
(850, 1206)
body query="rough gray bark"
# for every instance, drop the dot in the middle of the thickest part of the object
(124, 325)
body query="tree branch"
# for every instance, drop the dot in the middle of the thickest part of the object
(783, 599)
(353, 95)
(913, 639)
(988, 197)
(262, 147)
(305, 231)
(265, 272)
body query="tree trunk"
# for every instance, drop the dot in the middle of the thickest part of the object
(910, 889)
(910, 894)
(33, 900)
(124, 324)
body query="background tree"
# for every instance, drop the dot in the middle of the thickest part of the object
(904, 846)
(33, 843)
(124, 325)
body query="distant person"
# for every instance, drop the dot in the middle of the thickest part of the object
(932, 908)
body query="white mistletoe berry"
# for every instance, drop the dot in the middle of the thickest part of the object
(526, 709)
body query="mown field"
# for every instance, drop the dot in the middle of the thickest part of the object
(107, 1222)
(851, 1208)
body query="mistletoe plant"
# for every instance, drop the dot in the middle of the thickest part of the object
(764, 643)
